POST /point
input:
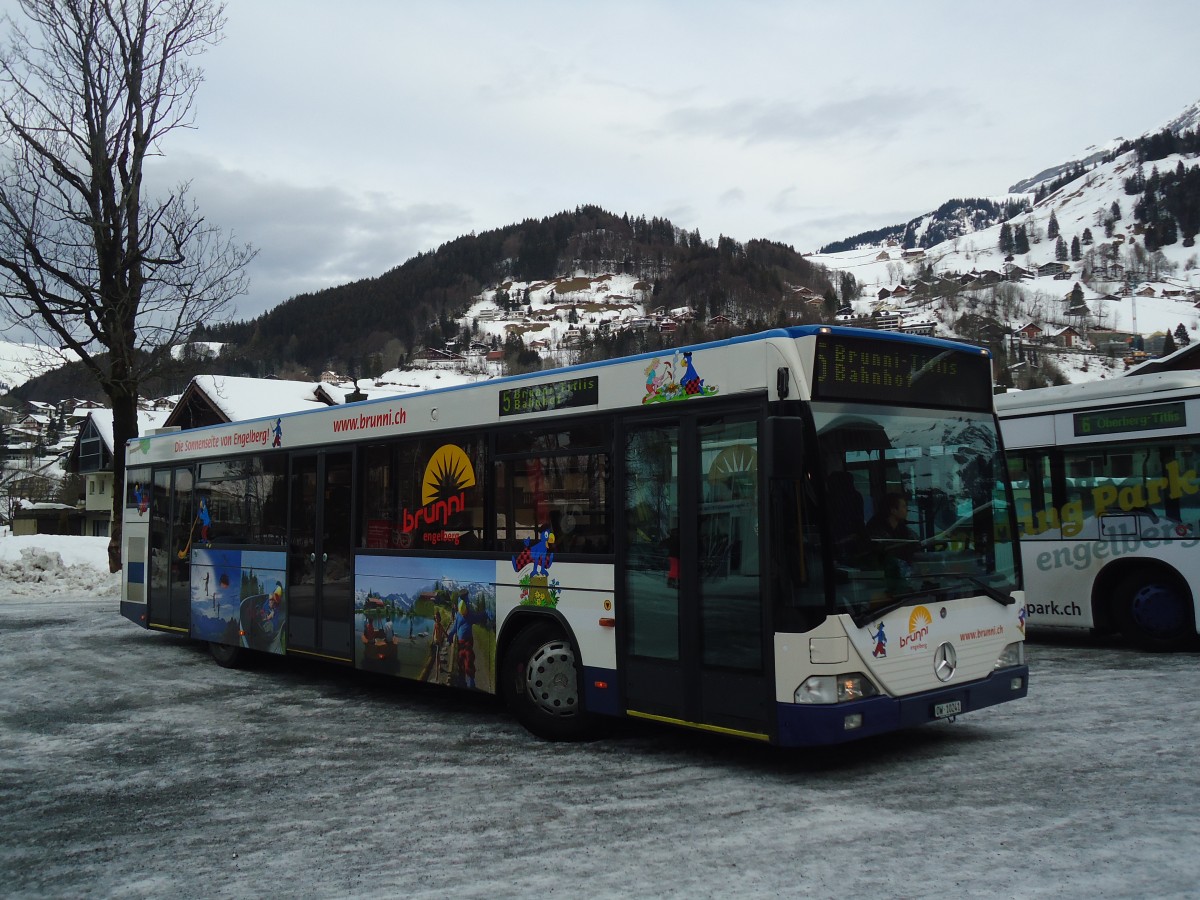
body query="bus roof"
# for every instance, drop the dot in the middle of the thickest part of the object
(1127, 390)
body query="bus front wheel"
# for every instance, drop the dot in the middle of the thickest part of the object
(541, 683)
(1154, 610)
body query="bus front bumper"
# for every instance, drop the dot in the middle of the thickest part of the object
(802, 725)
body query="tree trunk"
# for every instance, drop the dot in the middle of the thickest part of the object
(125, 428)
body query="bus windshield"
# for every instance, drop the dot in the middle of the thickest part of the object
(917, 509)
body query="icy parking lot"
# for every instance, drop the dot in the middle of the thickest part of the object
(132, 766)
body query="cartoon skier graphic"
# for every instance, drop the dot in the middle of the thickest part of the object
(205, 521)
(278, 432)
(141, 497)
(880, 640)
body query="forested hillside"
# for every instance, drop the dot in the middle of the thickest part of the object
(415, 304)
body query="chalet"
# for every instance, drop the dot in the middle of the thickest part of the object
(668, 326)
(217, 399)
(1016, 273)
(436, 354)
(1053, 269)
(1031, 332)
(91, 456)
(1067, 337)
(883, 256)
(900, 291)
(989, 276)
(1146, 290)
(807, 295)
(915, 253)
(883, 293)
(720, 321)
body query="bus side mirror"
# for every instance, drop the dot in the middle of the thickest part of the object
(785, 444)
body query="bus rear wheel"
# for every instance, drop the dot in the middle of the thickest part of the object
(1154, 610)
(228, 656)
(541, 683)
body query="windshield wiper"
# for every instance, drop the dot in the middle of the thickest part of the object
(995, 593)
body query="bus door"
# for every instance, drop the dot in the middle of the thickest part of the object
(693, 635)
(320, 558)
(174, 527)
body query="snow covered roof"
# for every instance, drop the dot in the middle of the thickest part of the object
(226, 398)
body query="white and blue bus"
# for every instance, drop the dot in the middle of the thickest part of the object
(1108, 503)
(706, 537)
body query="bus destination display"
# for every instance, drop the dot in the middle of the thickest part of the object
(850, 368)
(1130, 418)
(535, 398)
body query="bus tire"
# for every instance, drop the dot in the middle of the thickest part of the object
(228, 656)
(1154, 610)
(541, 683)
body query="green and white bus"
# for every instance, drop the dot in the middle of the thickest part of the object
(679, 536)
(1108, 503)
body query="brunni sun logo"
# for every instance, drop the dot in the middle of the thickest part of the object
(918, 629)
(448, 476)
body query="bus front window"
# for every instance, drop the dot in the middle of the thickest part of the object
(916, 507)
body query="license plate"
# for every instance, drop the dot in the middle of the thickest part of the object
(950, 708)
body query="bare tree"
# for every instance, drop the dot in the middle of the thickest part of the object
(89, 262)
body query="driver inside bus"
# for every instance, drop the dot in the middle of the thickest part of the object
(891, 524)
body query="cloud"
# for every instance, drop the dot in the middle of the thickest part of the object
(876, 116)
(308, 238)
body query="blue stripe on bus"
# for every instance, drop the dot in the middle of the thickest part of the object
(136, 572)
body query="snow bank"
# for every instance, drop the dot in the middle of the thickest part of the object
(48, 564)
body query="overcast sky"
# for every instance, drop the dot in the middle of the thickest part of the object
(342, 139)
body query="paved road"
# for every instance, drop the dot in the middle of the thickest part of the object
(132, 766)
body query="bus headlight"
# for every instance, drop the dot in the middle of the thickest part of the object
(836, 688)
(1012, 655)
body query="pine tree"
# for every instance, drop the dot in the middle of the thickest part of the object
(1168, 346)
(1060, 249)
(1006, 239)
(1088, 240)
(1076, 252)
(1052, 226)
(1020, 240)
(1181, 335)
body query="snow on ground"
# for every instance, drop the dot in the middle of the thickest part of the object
(50, 564)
